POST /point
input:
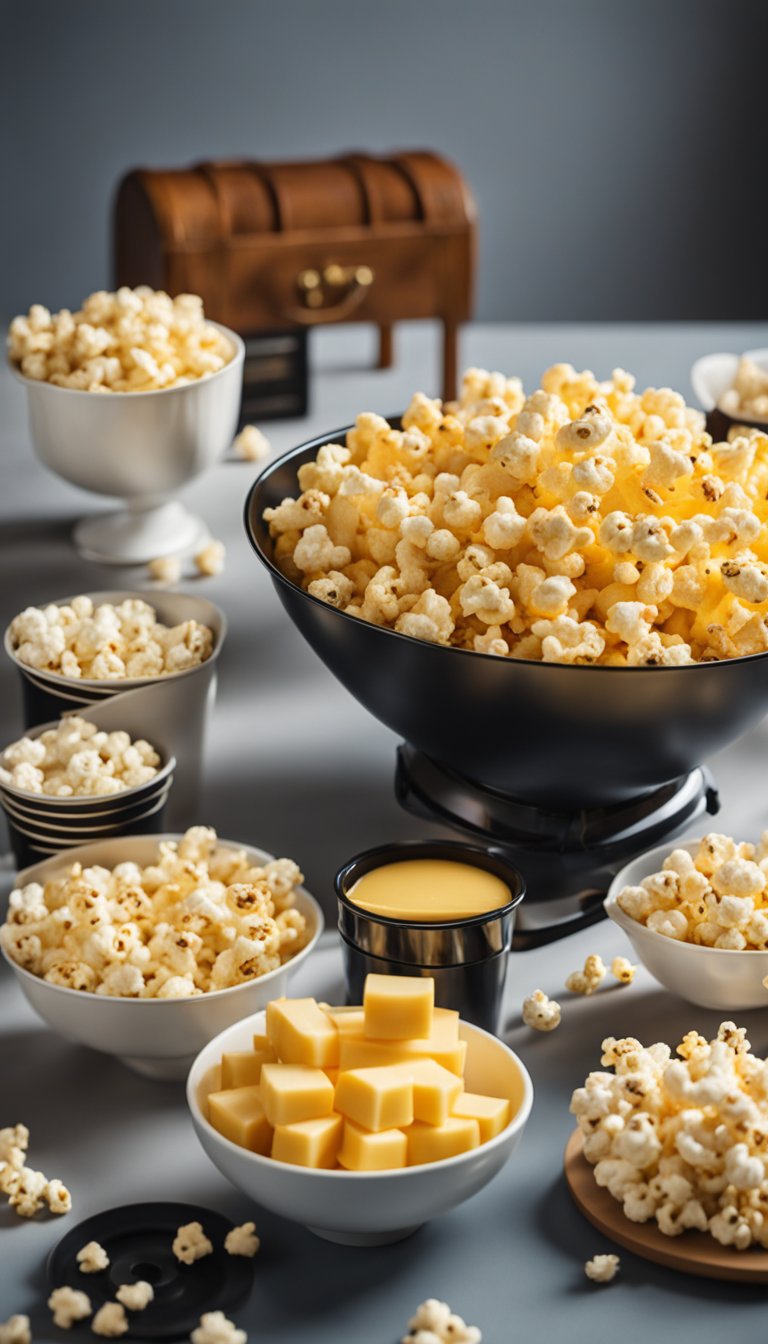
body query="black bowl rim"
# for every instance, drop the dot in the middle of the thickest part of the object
(493, 860)
(135, 797)
(337, 436)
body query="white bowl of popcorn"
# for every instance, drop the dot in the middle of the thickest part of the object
(133, 396)
(697, 917)
(737, 385)
(365, 1208)
(146, 947)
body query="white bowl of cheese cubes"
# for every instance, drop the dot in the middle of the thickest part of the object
(364, 1122)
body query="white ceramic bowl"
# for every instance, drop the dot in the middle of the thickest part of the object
(712, 375)
(712, 977)
(156, 1037)
(140, 447)
(365, 1208)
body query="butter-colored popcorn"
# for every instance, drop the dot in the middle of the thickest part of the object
(434, 1321)
(57, 1197)
(108, 643)
(251, 445)
(135, 1296)
(242, 1241)
(75, 760)
(716, 897)
(191, 1244)
(589, 979)
(92, 1258)
(16, 1330)
(623, 970)
(200, 918)
(211, 559)
(136, 340)
(602, 1268)
(215, 1328)
(69, 1305)
(540, 1012)
(748, 394)
(681, 1141)
(165, 569)
(110, 1321)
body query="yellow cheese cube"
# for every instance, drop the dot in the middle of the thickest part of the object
(262, 1043)
(377, 1098)
(491, 1113)
(239, 1115)
(310, 1143)
(398, 1007)
(242, 1068)
(432, 1143)
(301, 1033)
(292, 1092)
(348, 1021)
(435, 1091)
(354, 1054)
(363, 1151)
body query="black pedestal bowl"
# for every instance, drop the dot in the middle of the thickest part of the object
(560, 737)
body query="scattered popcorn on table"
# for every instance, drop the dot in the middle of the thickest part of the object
(623, 970)
(435, 1323)
(191, 1244)
(135, 1296)
(602, 1268)
(106, 643)
(682, 1141)
(199, 918)
(68, 1306)
(28, 1191)
(211, 559)
(585, 523)
(76, 760)
(748, 394)
(165, 569)
(110, 1320)
(92, 1258)
(541, 1013)
(589, 979)
(242, 1240)
(215, 1328)
(14, 1142)
(16, 1330)
(717, 897)
(137, 340)
(251, 445)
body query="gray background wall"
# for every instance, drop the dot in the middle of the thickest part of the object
(615, 149)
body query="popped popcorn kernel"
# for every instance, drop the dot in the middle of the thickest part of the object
(16, 1330)
(69, 1305)
(110, 1321)
(135, 1296)
(589, 979)
(215, 1328)
(92, 1258)
(165, 569)
(433, 1320)
(540, 1012)
(75, 760)
(242, 1241)
(211, 559)
(251, 444)
(602, 1268)
(623, 970)
(191, 1244)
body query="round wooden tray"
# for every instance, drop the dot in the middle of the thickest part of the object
(692, 1252)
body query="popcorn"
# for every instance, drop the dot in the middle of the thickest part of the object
(589, 979)
(108, 643)
(681, 1141)
(75, 760)
(717, 897)
(242, 1241)
(201, 917)
(137, 340)
(748, 394)
(135, 1296)
(211, 559)
(110, 1320)
(165, 569)
(602, 1268)
(69, 1305)
(92, 1258)
(191, 1244)
(435, 1323)
(215, 1328)
(16, 1330)
(645, 556)
(251, 445)
(623, 970)
(541, 1013)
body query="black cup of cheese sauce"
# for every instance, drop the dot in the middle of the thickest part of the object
(435, 908)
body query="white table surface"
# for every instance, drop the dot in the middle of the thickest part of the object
(297, 766)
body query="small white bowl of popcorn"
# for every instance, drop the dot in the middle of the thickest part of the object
(147, 947)
(697, 917)
(737, 385)
(132, 396)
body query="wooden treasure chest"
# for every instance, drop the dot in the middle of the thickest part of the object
(277, 248)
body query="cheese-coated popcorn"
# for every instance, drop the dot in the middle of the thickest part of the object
(681, 1141)
(16, 1330)
(215, 1328)
(716, 897)
(602, 1268)
(109, 643)
(614, 496)
(200, 918)
(69, 1305)
(540, 1012)
(137, 340)
(110, 1320)
(92, 1258)
(242, 1241)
